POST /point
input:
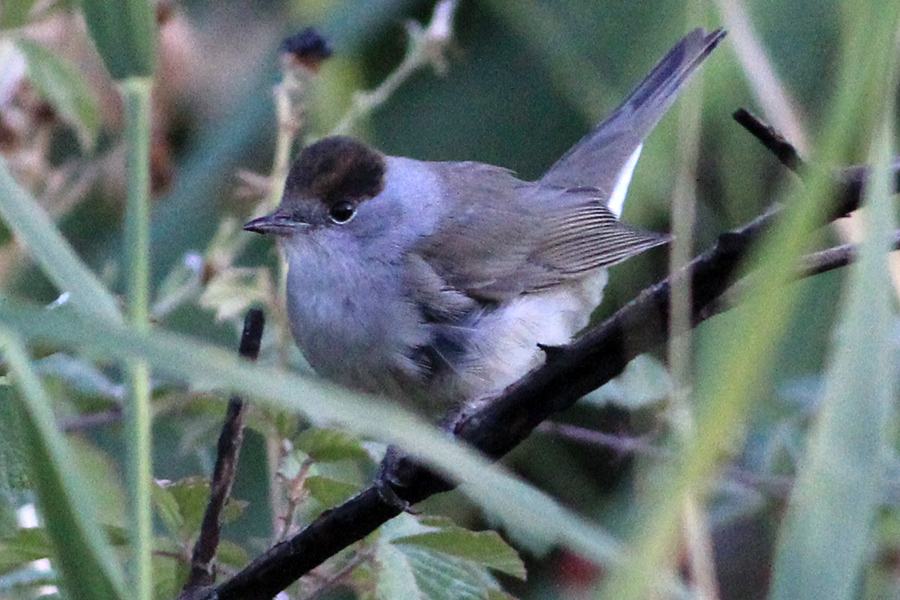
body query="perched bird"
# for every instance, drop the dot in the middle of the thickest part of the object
(438, 281)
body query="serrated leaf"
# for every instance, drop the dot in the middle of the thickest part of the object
(442, 577)
(486, 548)
(329, 492)
(418, 570)
(65, 88)
(326, 445)
(395, 577)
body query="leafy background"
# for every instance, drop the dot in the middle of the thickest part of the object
(524, 81)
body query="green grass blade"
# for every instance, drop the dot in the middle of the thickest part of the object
(839, 484)
(744, 353)
(83, 556)
(135, 92)
(124, 32)
(56, 257)
(516, 504)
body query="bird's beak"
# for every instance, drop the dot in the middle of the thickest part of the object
(276, 223)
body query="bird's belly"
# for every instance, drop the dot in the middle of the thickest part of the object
(366, 334)
(503, 345)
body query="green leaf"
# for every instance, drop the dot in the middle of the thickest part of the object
(418, 560)
(15, 13)
(56, 257)
(742, 358)
(124, 32)
(191, 496)
(329, 492)
(105, 490)
(232, 554)
(329, 445)
(645, 381)
(84, 557)
(181, 505)
(65, 88)
(9, 519)
(499, 595)
(168, 510)
(486, 548)
(169, 575)
(395, 577)
(24, 546)
(519, 506)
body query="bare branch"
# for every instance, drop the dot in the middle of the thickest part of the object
(203, 566)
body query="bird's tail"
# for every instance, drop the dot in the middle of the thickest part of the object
(599, 158)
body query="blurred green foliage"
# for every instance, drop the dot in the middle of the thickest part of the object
(525, 80)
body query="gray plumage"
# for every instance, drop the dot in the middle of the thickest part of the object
(597, 159)
(439, 280)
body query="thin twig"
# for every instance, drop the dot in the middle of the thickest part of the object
(203, 567)
(783, 150)
(625, 445)
(297, 493)
(92, 420)
(426, 47)
(835, 258)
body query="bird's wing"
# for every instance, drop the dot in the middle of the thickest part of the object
(580, 234)
(506, 237)
(601, 158)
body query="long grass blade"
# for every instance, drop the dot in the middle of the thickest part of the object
(85, 559)
(514, 503)
(39, 234)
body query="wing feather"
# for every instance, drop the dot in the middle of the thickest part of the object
(505, 237)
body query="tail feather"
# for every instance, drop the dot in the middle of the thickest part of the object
(598, 159)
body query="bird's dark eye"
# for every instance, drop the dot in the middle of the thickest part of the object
(341, 212)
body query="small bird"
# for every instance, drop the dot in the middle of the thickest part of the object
(439, 282)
